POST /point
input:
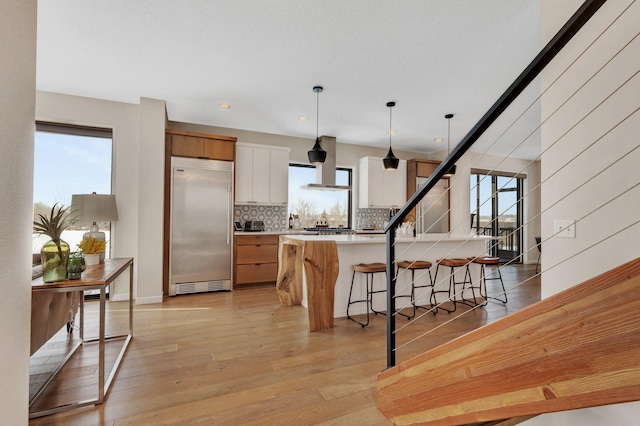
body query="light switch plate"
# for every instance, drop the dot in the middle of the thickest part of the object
(564, 228)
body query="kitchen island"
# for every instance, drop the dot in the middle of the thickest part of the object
(315, 270)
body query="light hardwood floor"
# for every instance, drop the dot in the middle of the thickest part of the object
(240, 358)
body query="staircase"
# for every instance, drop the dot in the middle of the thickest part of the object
(579, 348)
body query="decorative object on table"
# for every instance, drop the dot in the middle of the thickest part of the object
(406, 229)
(390, 162)
(92, 249)
(75, 265)
(94, 208)
(55, 252)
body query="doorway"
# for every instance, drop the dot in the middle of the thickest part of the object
(496, 210)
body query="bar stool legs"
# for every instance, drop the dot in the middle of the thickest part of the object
(482, 261)
(368, 269)
(452, 264)
(413, 266)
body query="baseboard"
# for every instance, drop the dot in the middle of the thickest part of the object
(148, 300)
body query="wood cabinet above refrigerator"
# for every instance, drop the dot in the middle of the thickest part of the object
(200, 145)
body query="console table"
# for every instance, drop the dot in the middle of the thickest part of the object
(95, 277)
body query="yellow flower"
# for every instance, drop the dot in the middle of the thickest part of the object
(90, 245)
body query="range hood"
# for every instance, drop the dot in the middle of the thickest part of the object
(326, 172)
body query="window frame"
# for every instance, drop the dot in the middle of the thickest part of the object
(349, 170)
(83, 131)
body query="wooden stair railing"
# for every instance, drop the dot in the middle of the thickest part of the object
(579, 348)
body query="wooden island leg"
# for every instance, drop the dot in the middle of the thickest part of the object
(321, 269)
(289, 280)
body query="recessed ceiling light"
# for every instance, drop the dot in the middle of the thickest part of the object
(224, 106)
(303, 118)
(438, 140)
(391, 132)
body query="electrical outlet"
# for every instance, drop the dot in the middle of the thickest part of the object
(564, 228)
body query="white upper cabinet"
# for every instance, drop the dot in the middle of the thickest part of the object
(262, 174)
(279, 176)
(380, 188)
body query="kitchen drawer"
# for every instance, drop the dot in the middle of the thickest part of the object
(256, 273)
(252, 239)
(259, 253)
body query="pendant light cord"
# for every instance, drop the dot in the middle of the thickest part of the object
(390, 109)
(448, 136)
(317, 112)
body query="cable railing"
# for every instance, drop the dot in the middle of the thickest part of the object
(509, 237)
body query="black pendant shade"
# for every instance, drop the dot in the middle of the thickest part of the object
(390, 162)
(317, 155)
(451, 171)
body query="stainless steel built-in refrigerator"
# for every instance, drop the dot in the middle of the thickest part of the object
(433, 211)
(201, 215)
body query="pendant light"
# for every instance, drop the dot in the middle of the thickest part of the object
(390, 162)
(452, 169)
(317, 155)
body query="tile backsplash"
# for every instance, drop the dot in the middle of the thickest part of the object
(274, 217)
(371, 218)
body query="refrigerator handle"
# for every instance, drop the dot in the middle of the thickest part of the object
(230, 212)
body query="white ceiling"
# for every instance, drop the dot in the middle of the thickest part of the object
(264, 56)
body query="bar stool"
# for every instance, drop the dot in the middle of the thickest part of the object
(486, 260)
(453, 264)
(419, 265)
(369, 269)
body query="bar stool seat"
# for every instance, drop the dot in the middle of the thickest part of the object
(487, 260)
(418, 265)
(454, 263)
(369, 269)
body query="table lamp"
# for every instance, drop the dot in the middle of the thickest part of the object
(94, 208)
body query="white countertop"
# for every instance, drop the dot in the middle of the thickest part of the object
(382, 239)
(286, 232)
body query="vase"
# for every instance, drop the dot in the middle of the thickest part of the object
(75, 266)
(92, 259)
(54, 256)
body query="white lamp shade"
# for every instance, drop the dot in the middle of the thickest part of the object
(89, 208)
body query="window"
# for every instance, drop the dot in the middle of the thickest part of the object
(313, 205)
(496, 209)
(69, 160)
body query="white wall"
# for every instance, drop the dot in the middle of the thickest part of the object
(17, 127)
(138, 162)
(583, 257)
(151, 200)
(563, 174)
